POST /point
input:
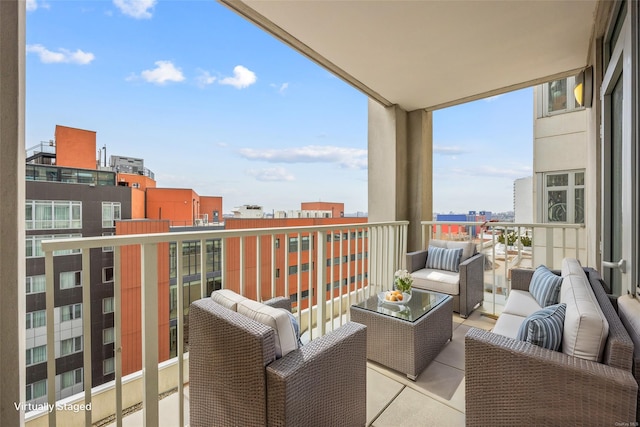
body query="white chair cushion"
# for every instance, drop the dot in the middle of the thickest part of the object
(585, 327)
(521, 303)
(446, 282)
(571, 266)
(227, 298)
(508, 325)
(285, 334)
(468, 248)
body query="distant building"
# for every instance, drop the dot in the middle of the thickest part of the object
(560, 178)
(248, 211)
(67, 196)
(523, 200)
(472, 216)
(314, 210)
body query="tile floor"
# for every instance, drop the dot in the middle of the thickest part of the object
(436, 398)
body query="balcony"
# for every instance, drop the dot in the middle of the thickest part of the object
(369, 253)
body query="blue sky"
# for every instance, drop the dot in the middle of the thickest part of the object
(213, 103)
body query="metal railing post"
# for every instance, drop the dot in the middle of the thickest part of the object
(149, 281)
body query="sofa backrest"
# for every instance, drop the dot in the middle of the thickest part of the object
(618, 350)
(585, 327)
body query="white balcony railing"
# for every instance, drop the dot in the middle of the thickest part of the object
(372, 251)
(508, 245)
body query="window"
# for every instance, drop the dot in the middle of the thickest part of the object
(108, 248)
(108, 366)
(71, 378)
(70, 312)
(35, 284)
(293, 244)
(107, 274)
(557, 97)
(564, 194)
(110, 214)
(36, 390)
(70, 346)
(53, 214)
(70, 279)
(107, 305)
(36, 355)
(108, 336)
(33, 245)
(36, 319)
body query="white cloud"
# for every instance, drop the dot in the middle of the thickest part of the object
(280, 88)
(513, 172)
(349, 158)
(493, 98)
(62, 56)
(205, 78)
(271, 174)
(449, 151)
(138, 9)
(242, 78)
(35, 4)
(164, 72)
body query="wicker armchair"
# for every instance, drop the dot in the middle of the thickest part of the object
(470, 291)
(235, 379)
(511, 382)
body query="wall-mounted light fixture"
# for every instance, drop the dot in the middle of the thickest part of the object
(583, 90)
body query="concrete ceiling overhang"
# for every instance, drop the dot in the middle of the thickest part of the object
(433, 54)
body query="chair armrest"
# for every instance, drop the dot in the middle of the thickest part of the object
(279, 302)
(511, 382)
(416, 260)
(471, 283)
(324, 381)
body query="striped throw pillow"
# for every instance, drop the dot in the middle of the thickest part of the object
(444, 259)
(544, 327)
(545, 286)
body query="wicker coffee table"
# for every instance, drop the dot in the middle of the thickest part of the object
(407, 337)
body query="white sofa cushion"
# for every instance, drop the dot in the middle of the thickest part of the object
(468, 248)
(508, 325)
(585, 327)
(285, 335)
(521, 303)
(227, 298)
(571, 266)
(446, 282)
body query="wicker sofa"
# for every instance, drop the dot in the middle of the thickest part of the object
(236, 380)
(512, 382)
(466, 286)
(629, 312)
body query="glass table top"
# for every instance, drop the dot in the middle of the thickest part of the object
(421, 303)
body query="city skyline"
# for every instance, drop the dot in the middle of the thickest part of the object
(213, 103)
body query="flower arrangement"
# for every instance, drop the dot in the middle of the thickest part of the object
(403, 281)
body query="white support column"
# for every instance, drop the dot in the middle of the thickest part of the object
(149, 280)
(400, 168)
(12, 193)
